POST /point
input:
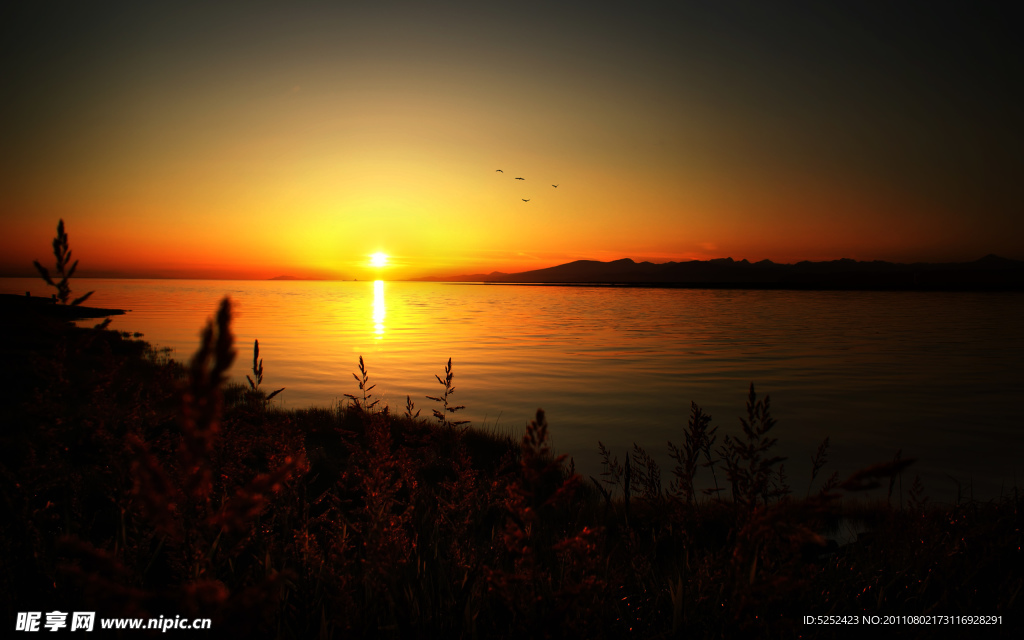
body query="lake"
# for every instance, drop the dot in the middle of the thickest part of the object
(936, 375)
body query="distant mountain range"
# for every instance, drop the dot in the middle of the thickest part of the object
(989, 273)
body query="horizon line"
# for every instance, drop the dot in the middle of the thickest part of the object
(285, 278)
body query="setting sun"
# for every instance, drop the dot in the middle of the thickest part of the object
(379, 259)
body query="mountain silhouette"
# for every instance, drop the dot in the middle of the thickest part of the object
(988, 273)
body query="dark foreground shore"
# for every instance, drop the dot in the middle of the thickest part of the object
(28, 305)
(141, 487)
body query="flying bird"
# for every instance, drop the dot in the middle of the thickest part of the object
(525, 200)
(499, 171)
(520, 178)
(555, 186)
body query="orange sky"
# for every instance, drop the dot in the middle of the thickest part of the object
(257, 140)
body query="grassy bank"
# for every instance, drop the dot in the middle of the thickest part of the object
(138, 486)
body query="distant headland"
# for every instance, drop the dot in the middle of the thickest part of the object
(991, 273)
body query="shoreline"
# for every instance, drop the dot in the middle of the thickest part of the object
(48, 307)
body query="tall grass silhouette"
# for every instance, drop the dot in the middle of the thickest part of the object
(365, 401)
(64, 269)
(449, 389)
(257, 378)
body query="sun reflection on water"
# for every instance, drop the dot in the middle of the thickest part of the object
(379, 310)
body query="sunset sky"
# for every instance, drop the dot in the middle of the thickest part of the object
(261, 139)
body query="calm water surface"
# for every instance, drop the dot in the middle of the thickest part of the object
(936, 375)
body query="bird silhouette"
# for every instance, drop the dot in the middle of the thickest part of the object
(555, 186)
(520, 178)
(525, 200)
(499, 171)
